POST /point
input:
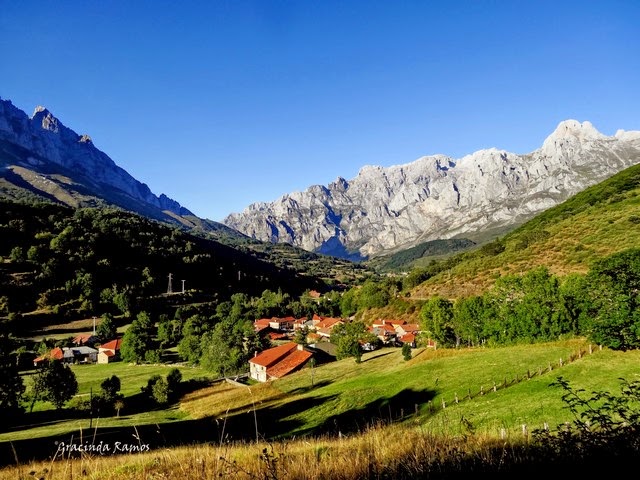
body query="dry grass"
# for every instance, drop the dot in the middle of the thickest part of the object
(379, 452)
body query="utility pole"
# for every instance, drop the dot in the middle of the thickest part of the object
(90, 406)
(182, 286)
(170, 288)
(94, 326)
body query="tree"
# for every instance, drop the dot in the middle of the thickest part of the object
(406, 351)
(106, 329)
(11, 385)
(157, 389)
(614, 292)
(104, 403)
(437, 320)
(220, 354)
(160, 391)
(56, 383)
(189, 347)
(174, 379)
(300, 336)
(348, 338)
(468, 318)
(110, 387)
(137, 340)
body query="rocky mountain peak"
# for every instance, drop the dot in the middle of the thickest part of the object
(575, 131)
(51, 143)
(437, 197)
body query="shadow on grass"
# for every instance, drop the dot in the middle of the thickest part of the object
(243, 424)
(376, 357)
(383, 410)
(309, 388)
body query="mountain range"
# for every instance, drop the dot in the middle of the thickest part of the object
(477, 197)
(382, 210)
(42, 158)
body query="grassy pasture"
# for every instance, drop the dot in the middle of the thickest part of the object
(346, 397)
(372, 406)
(45, 421)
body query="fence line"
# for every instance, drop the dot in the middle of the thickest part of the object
(527, 376)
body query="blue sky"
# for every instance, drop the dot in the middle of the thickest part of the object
(219, 104)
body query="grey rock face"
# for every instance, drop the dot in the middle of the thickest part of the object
(437, 197)
(49, 140)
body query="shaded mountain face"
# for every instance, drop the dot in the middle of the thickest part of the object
(42, 158)
(436, 197)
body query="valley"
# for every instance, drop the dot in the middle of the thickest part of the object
(124, 316)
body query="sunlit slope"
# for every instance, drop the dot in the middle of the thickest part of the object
(345, 397)
(597, 222)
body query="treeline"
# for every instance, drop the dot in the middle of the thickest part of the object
(79, 262)
(601, 305)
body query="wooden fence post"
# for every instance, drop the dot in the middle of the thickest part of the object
(495, 388)
(456, 394)
(590, 349)
(561, 362)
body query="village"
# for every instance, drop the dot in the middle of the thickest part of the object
(297, 342)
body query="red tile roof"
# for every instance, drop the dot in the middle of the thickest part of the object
(282, 359)
(112, 345)
(109, 353)
(408, 338)
(328, 322)
(83, 338)
(387, 328)
(382, 321)
(410, 327)
(55, 354)
(270, 356)
(277, 335)
(263, 322)
(294, 360)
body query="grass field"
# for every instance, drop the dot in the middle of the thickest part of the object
(347, 396)
(46, 422)
(355, 417)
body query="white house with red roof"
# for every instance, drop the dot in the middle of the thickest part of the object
(110, 351)
(278, 361)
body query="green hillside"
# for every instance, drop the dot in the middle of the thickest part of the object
(66, 263)
(601, 220)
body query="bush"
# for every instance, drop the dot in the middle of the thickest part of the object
(605, 425)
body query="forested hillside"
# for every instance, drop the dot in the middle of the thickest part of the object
(85, 262)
